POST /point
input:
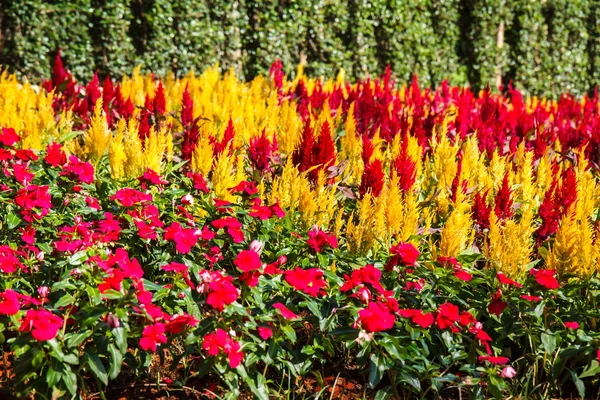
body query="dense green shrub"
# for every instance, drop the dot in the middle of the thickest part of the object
(545, 47)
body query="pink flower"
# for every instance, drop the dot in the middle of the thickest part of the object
(285, 312)
(42, 324)
(508, 372)
(248, 260)
(572, 325)
(9, 302)
(376, 317)
(152, 336)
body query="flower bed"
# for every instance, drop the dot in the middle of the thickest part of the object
(422, 243)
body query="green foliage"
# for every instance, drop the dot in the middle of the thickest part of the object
(545, 48)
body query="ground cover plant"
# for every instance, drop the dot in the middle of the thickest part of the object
(236, 239)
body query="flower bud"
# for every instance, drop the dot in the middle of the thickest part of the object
(112, 320)
(257, 246)
(40, 256)
(43, 291)
(187, 199)
(508, 372)
(281, 260)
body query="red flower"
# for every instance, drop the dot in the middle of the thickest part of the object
(79, 170)
(9, 137)
(318, 239)
(403, 253)
(152, 336)
(285, 312)
(219, 341)
(9, 302)
(265, 332)
(497, 305)
(545, 277)
(248, 260)
(309, 281)
(533, 299)
(446, 316)
(42, 324)
(462, 274)
(496, 360)
(572, 325)
(222, 291)
(178, 322)
(184, 238)
(506, 281)
(129, 197)
(55, 156)
(261, 212)
(233, 227)
(376, 317)
(418, 317)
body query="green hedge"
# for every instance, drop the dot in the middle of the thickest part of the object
(545, 47)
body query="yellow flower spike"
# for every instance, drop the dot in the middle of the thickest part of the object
(97, 137)
(116, 153)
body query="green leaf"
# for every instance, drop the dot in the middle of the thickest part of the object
(53, 376)
(70, 380)
(121, 339)
(12, 221)
(578, 384)
(548, 343)
(411, 379)
(385, 393)
(78, 258)
(96, 366)
(591, 370)
(376, 370)
(94, 295)
(65, 300)
(75, 339)
(289, 332)
(116, 361)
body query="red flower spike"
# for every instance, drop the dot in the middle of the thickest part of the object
(372, 179)
(504, 202)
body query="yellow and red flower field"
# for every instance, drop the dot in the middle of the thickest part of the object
(421, 242)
